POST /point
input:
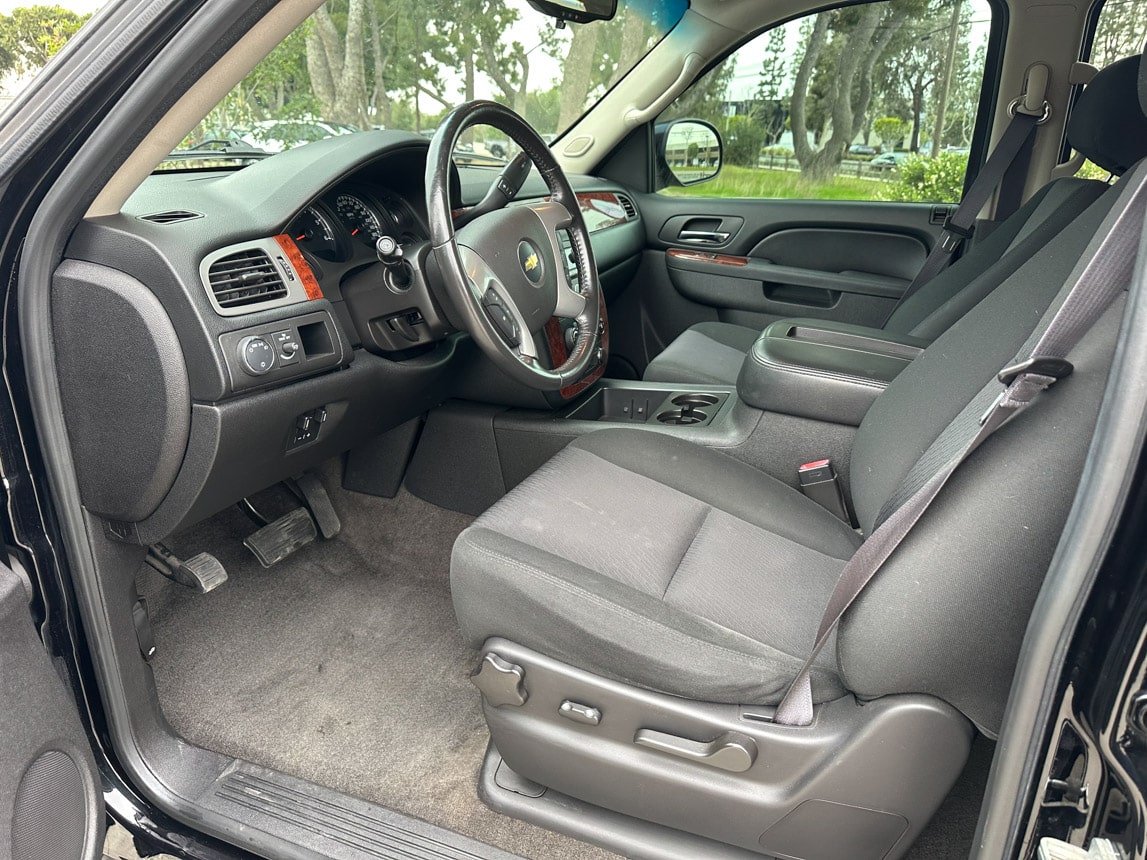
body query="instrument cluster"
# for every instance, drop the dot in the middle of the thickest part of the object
(349, 221)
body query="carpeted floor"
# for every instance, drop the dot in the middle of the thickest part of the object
(343, 665)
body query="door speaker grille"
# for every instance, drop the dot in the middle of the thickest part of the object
(50, 817)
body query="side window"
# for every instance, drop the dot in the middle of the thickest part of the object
(1120, 31)
(869, 102)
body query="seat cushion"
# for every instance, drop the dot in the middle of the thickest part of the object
(709, 352)
(650, 560)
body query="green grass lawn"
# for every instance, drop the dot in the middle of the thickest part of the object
(762, 183)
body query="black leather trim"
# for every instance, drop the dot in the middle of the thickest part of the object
(822, 370)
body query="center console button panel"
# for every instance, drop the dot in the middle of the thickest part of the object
(650, 406)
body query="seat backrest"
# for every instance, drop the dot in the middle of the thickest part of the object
(947, 612)
(1106, 125)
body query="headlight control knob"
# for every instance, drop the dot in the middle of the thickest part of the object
(256, 355)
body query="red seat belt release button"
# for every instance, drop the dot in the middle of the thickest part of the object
(818, 480)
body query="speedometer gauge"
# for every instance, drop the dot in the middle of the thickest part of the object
(313, 231)
(360, 219)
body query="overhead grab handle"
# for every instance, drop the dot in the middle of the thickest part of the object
(636, 116)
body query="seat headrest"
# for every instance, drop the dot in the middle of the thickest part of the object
(1108, 123)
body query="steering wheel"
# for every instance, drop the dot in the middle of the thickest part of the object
(504, 270)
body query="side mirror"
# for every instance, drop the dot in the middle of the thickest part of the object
(688, 152)
(578, 11)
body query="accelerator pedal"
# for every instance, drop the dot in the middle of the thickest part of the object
(312, 493)
(277, 540)
(202, 573)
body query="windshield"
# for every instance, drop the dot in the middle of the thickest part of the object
(402, 64)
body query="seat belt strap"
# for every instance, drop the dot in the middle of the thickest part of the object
(959, 225)
(1102, 274)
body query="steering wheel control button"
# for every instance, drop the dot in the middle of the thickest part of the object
(499, 316)
(587, 715)
(530, 259)
(256, 355)
(501, 682)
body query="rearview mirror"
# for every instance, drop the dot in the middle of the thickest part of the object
(688, 152)
(578, 11)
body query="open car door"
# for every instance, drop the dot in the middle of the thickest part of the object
(50, 803)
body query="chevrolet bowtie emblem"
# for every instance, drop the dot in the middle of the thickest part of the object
(529, 258)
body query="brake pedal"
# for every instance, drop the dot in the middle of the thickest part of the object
(315, 497)
(201, 572)
(275, 541)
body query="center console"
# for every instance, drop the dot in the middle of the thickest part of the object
(803, 390)
(823, 370)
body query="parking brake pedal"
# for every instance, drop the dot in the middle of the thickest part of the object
(275, 541)
(202, 572)
(314, 496)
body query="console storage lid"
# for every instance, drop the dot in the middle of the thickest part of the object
(824, 370)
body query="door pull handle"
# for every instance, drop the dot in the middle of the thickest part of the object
(703, 237)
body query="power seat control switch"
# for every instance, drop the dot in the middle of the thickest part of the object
(256, 355)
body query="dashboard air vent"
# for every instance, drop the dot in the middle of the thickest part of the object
(172, 217)
(627, 205)
(245, 278)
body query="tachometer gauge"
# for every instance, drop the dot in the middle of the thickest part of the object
(313, 231)
(360, 219)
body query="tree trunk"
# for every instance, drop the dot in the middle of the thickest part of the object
(350, 101)
(324, 58)
(632, 42)
(578, 70)
(816, 42)
(946, 85)
(843, 115)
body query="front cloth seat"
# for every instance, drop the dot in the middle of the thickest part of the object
(641, 601)
(1106, 124)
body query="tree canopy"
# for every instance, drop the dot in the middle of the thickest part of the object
(32, 35)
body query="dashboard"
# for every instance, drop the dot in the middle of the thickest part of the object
(248, 329)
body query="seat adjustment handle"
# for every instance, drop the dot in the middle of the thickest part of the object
(729, 751)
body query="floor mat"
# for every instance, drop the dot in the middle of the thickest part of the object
(341, 665)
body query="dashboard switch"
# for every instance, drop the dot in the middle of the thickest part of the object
(287, 346)
(256, 355)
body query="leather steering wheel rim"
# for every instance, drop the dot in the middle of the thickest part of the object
(480, 281)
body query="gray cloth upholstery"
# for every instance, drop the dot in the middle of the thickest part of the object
(626, 572)
(647, 559)
(708, 352)
(1108, 124)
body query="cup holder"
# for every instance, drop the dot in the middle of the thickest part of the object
(696, 400)
(687, 415)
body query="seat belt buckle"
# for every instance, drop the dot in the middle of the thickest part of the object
(1056, 368)
(952, 236)
(818, 480)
